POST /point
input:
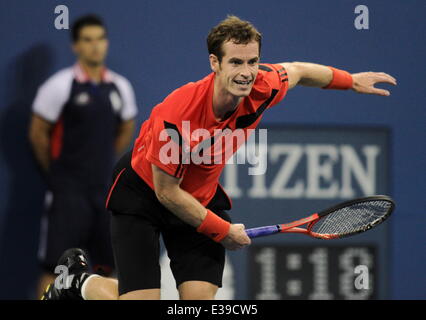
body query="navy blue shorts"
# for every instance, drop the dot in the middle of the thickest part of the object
(76, 217)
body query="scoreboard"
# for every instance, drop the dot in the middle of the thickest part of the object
(311, 272)
(305, 170)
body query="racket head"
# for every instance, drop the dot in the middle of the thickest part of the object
(351, 217)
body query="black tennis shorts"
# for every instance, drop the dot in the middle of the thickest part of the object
(138, 219)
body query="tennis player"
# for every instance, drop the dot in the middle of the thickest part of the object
(83, 119)
(154, 192)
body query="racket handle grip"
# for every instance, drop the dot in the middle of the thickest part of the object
(262, 231)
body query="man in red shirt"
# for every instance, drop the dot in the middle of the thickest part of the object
(162, 187)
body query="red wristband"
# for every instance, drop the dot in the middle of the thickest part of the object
(342, 80)
(214, 227)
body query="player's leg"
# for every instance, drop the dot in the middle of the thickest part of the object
(99, 288)
(147, 294)
(96, 287)
(197, 262)
(197, 290)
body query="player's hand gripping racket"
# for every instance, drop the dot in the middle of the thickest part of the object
(345, 219)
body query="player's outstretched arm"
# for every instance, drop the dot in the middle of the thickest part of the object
(191, 211)
(320, 76)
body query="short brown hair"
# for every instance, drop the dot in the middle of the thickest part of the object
(232, 28)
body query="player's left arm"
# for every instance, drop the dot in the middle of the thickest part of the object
(316, 75)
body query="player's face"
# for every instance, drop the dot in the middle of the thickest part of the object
(92, 45)
(238, 69)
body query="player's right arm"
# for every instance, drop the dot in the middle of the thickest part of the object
(316, 75)
(189, 209)
(39, 136)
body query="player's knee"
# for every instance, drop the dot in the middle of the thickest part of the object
(197, 290)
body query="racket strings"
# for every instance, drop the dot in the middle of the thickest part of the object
(354, 218)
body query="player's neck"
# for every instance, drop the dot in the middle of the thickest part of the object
(224, 103)
(94, 72)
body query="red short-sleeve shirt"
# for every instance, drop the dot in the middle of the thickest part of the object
(177, 137)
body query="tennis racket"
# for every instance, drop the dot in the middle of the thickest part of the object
(343, 220)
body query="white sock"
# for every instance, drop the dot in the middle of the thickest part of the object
(83, 287)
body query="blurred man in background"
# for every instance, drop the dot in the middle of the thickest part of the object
(83, 118)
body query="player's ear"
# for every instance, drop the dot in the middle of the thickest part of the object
(214, 62)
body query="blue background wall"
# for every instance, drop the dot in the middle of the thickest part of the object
(160, 45)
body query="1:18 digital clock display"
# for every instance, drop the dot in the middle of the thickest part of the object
(285, 272)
